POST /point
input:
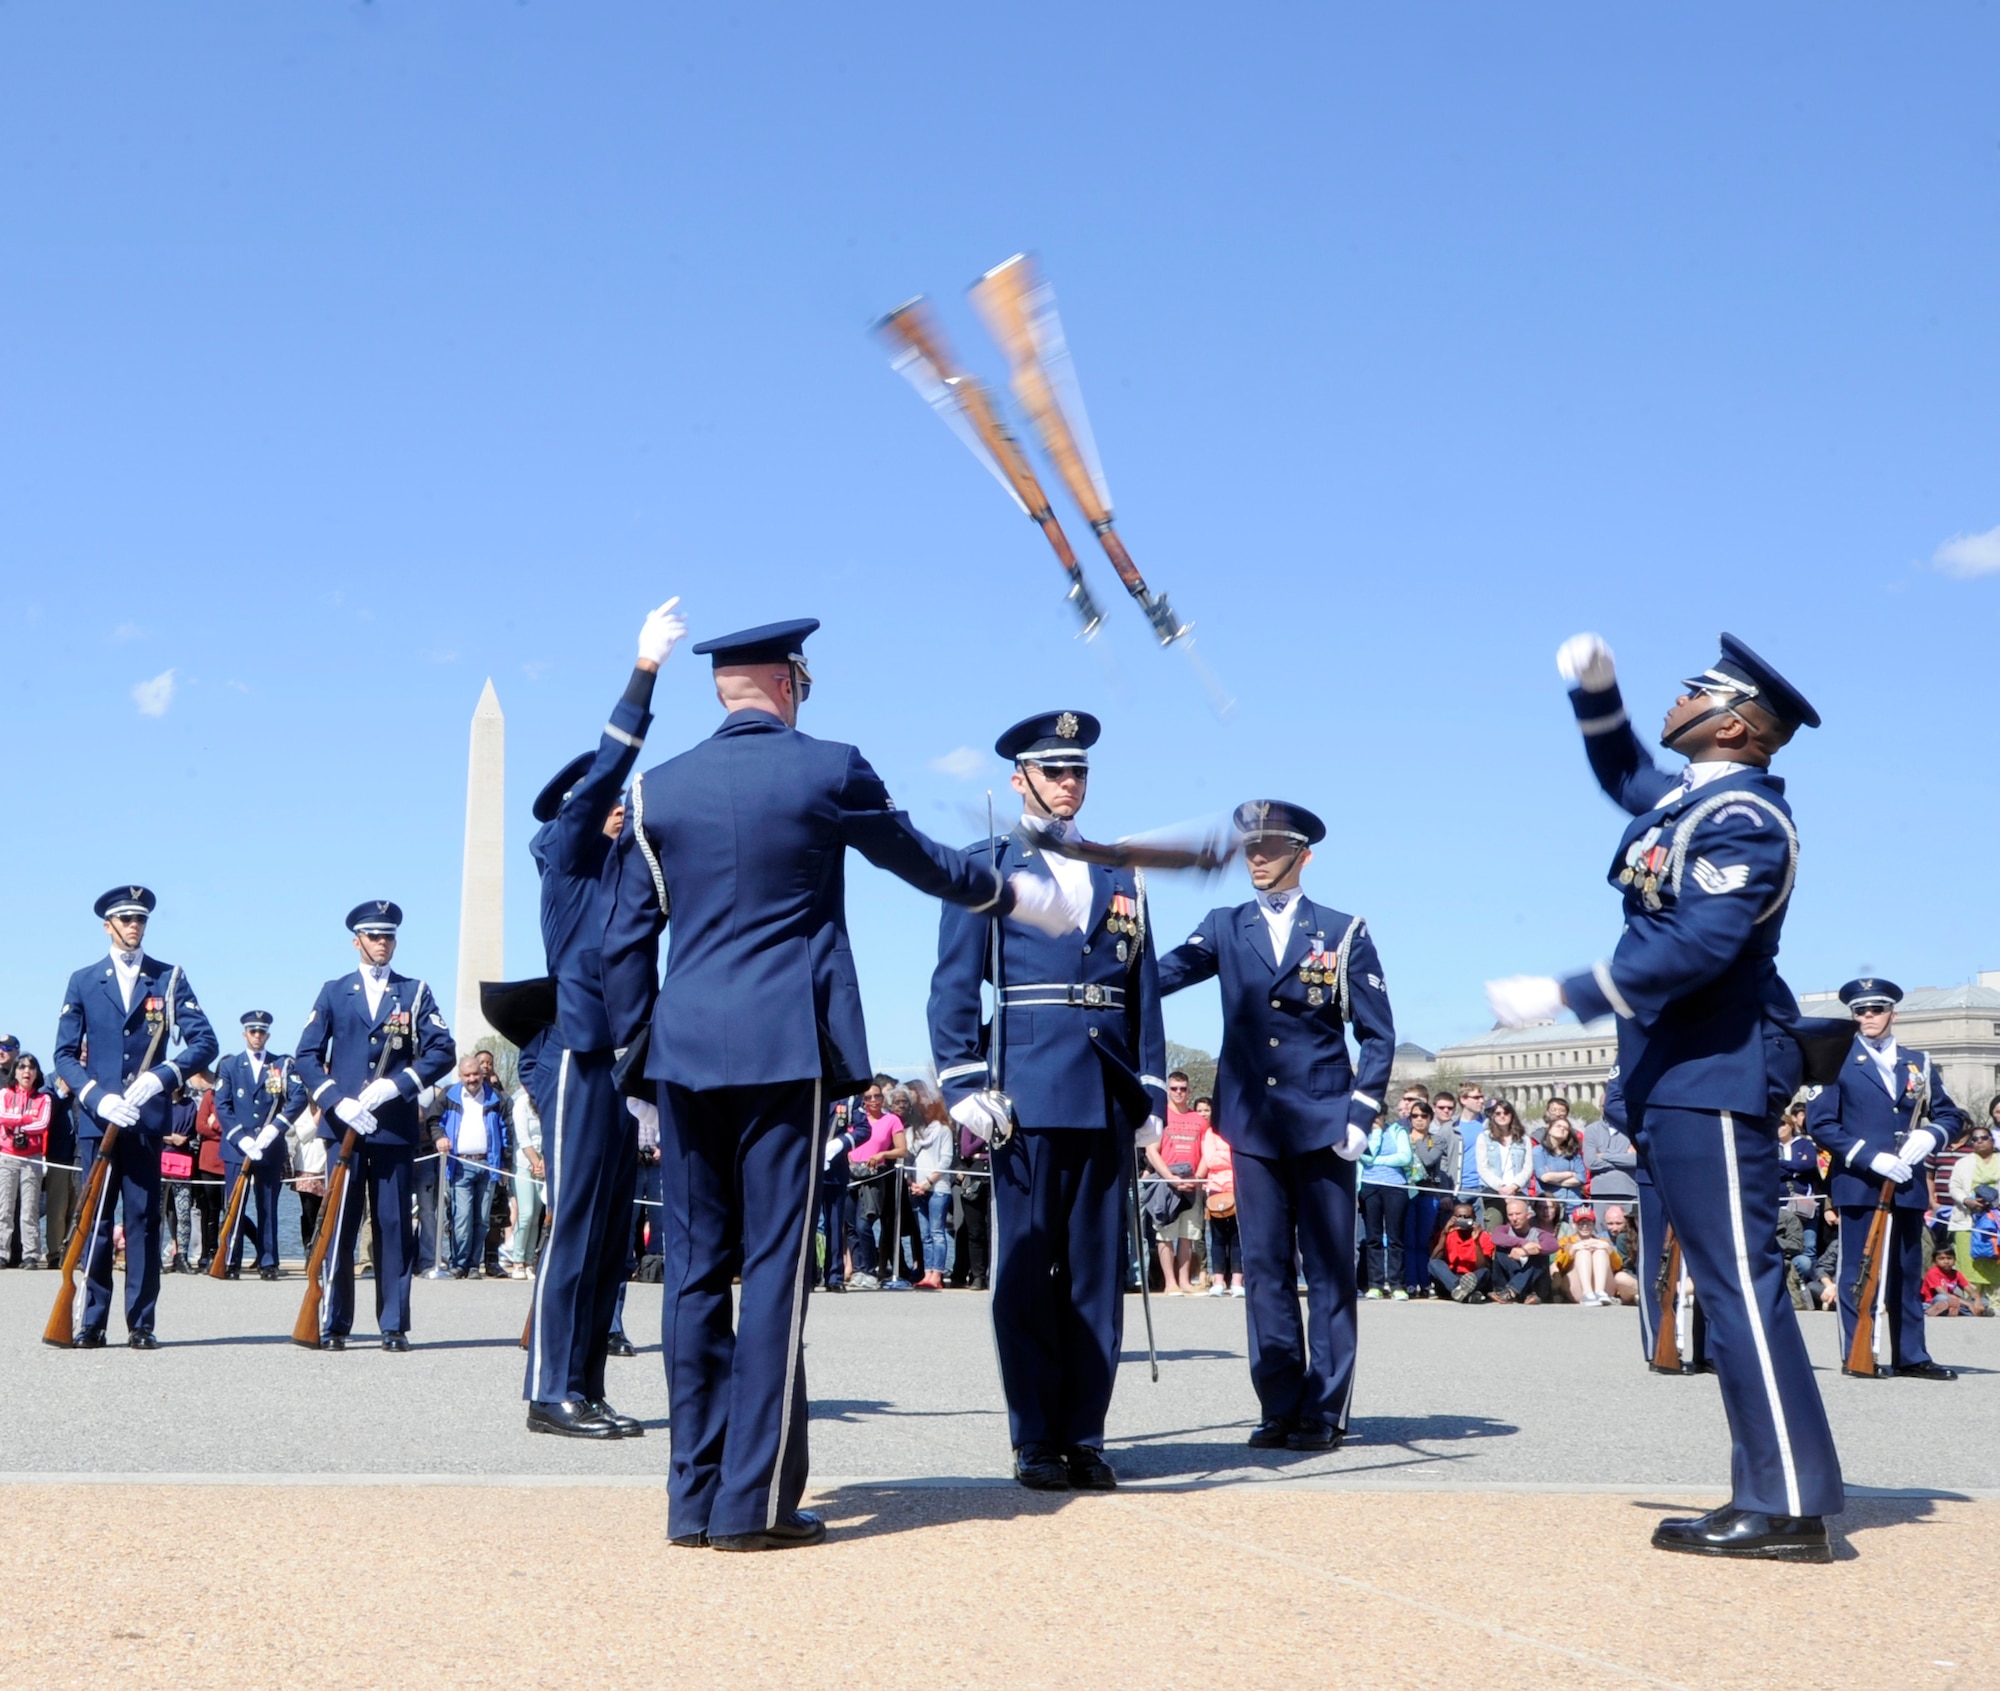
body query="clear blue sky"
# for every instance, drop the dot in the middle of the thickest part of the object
(355, 353)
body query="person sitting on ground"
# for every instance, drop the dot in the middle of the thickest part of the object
(1462, 1259)
(1945, 1291)
(1624, 1239)
(1798, 1256)
(1589, 1261)
(1826, 1266)
(1522, 1252)
(1559, 1166)
(1978, 1168)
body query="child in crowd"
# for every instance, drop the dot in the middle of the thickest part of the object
(1945, 1291)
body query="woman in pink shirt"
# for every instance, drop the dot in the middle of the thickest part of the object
(24, 1142)
(1225, 1244)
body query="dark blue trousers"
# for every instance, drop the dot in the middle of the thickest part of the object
(267, 1185)
(131, 1189)
(1059, 1209)
(1649, 1215)
(1899, 1325)
(740, 1176)
(590, 1157)
(1717, 1176)
(383, 1173)
(1299, 1209)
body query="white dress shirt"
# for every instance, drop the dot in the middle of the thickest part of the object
(1281, 910)
(127, 965)
(1884, 1058)
(1072, 875)
(374, 982)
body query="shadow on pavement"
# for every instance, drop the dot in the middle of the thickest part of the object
(857, 1512)
(854, 1410)
(1374, 1445)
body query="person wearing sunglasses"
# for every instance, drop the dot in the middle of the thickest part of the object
(1707, 1055)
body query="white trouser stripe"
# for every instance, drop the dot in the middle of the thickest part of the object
(1756, 1315)
(1644, 1265)
(795, 1352)
(537, 1352)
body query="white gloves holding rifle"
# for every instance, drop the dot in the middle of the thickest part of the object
(112, 1107)
(143, 1090)
(355, 1116)
(251, 1149)
(268, 1136)
(665, 629)
(1891, 1167)
(377, 1093)
(1917, 1144)
(979, 1116)
(1583, 660)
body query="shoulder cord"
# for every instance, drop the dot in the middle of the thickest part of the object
(646, 845)
(1684, 832)
(1342, 996)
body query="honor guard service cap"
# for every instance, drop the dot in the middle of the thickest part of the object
(774, 642)
(125, 901)
(1870, 993)
(1056, 736)
(550, 799)
(1741, 671)
(1263, 817)
(376, 916)
(257, 1019)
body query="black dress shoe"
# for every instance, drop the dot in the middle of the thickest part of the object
(620, 1346)
(1039, 1468)
(1926, 1371)
(395, 1341)
(801, 1527)
(1313, 1435)
(142, 1341)
(689, 1540)
(334, 1341)
(1749, 1534)
(626, 1426)
(267, 1274)
(571, 1419)
(91, 1338)
(234, 1274)
(1088, 1471)
(1270, 1434)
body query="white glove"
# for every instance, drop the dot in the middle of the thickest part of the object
(664, 630)
(977, 1116)
(355, 1116)
(143, 1090)
(644, 1112)
(251, 1149)
(268, 1134)
(1583, 660)
(834, 1146)
(1891, 1167)
(1151, 1133)
(1039, 902)
(1521, 1001)
(1917, 1144)
(377, 1093)
(1350, 1149)
(112, 1107)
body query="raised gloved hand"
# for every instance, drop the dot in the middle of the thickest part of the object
(355, 1116)
(1039, 902)
(1583, 660)
(1521, 1001)
(979, 1116)
(664, 630)
(1917, 1144)
(1151, 1133)
(112, 1107)
(1351, 1148)
(377, 1093)
(1891, 1167)
(143, 1089)
(252, 1151)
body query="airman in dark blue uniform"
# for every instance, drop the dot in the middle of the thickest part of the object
(374, 1040)
(1709, 1054)
(1296, 1112)
(752, 1034)
(1881, 1122)
(112, 1011)
(1080, 1051)
(590, 1144)
(251, 1089)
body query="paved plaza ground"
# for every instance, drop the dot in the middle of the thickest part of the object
(234, 1510)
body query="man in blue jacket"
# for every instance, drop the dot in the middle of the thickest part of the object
(250, 1090)
(590, 1145)
(1881, 1122)
(374, 1040)
(1080, 1050)
(118, 1014)
(1708, 1056)
(752, 1034)
(1295, 976)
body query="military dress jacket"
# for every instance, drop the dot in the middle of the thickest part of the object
(342, 1047)
(94, 1017)
(1704, 1018)
(1080, 1020)
(1855, 1118)
(1285, 1084)
(744, 839)
(246, 1102)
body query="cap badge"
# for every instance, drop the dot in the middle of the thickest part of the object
(1066, 725)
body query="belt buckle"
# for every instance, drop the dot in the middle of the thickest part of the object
(1093, 995)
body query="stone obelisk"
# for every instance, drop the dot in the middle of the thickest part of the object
(482, 896)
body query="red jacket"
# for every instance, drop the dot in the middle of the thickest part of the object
(24, 1122)
(209, 1132)
(1466, 1253)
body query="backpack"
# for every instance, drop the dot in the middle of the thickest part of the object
(1986, 1237)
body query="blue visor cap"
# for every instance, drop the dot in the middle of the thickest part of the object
(1742, 672)
(1871, 993)
(773, 642)
(1056, 736)
(125, 901)
(550, 799)
(1274, 819)
(377, 916)
(256, 1019)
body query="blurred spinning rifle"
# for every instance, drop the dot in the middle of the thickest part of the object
(61, 1329)
(1205, 847)
(1674, 1290)
(918, 352)
(1870, 1293)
